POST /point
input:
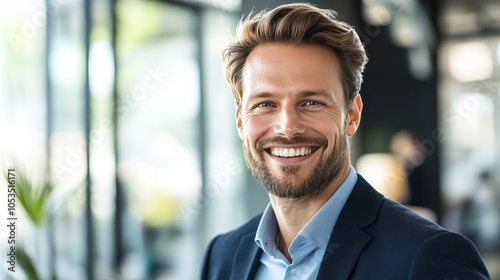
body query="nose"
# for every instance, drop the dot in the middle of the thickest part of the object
(288, 122)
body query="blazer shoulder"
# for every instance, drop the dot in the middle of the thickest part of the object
(437, 253)
(448, 255)
(420, 248)
(222, 252)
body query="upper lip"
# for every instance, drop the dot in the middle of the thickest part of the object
(285, 146)
(289, 147)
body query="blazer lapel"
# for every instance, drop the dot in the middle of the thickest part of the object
(348, 239)
(247, 258)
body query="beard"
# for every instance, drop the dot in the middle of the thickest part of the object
(288, 185)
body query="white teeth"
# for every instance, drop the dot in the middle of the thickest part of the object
(291, 152)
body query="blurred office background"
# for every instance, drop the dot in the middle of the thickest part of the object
(119, 123)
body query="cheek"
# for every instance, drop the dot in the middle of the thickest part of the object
(332, 131)
(253, 128)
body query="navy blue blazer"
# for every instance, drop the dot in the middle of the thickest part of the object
(374, 238)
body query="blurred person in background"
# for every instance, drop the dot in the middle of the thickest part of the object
(296, 72)
(404, 144)
(480, 219)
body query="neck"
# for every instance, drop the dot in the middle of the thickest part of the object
(293, 213)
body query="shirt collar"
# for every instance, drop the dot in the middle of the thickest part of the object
(319, 227)
(266, 232)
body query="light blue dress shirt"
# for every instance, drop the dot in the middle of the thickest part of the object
(310, 244)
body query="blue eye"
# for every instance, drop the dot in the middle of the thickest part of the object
(264, 104)
(312, 103)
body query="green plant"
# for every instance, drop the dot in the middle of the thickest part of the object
(32, 198)
(26, 264)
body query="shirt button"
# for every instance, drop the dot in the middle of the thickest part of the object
(293, 271)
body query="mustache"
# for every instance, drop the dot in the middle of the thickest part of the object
(299, 140)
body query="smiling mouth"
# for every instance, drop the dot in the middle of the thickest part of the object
(291, 152)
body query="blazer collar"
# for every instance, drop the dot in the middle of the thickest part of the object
(348, 238)
(247, 258)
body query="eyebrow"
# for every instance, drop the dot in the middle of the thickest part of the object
(259, 95)
(305, 93)
(309, 93)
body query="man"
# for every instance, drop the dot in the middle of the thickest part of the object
(295, 73)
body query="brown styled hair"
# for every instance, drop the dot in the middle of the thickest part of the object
(297, 24)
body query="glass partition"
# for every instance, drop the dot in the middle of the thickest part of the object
(159, 131)
(469, 132)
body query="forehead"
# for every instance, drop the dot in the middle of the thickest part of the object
(281, 68)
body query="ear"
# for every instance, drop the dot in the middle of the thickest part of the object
(239, 123)
(354, 115)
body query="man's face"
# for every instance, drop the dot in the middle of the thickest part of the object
(293, 119)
